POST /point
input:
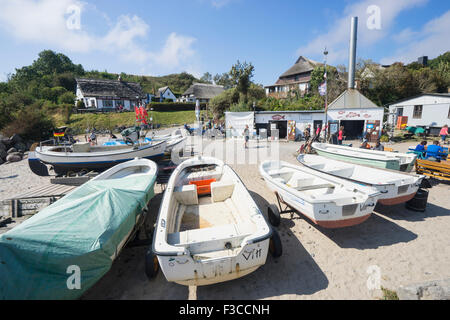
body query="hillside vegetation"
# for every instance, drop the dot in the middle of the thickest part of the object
(38, 97)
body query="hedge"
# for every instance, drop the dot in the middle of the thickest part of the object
(172, 107)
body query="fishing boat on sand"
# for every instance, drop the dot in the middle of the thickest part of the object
(209, 229)
(394, 187)
(328, 201)
(84, 157)
(80, 235)
(381, 159)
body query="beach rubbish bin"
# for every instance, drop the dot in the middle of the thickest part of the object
(419, 202)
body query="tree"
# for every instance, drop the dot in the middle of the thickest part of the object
(206, 78)
(241, 75)
(223, 80)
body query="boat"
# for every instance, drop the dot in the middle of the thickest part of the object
(209, 229)
(380, 159)
(63, 250)
(327, 201)
(175, 144)
(394, 187)
(84, 157)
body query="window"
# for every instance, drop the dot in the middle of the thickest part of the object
(417, 112)
(448, 116)
(119, 103)
(400, 112)
(107, 104)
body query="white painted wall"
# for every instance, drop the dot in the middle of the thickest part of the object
(356, 114)
(168, 94)
(435, 111)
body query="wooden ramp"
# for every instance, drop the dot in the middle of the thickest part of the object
(33, 200)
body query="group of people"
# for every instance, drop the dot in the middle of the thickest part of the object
(435, 150)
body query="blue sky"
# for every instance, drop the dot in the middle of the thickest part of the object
(161, 37)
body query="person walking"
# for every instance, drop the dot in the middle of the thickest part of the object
(341, 135)
(444, 133)
(246, 134)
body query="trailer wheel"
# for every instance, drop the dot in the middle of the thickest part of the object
(274, 215)
(151, 264)
(275, 246)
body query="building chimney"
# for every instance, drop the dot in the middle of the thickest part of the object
(352, 53)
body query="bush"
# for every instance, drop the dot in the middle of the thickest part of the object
(67, 111)
(384, 138)
(80, 104)
(66, 98)
(31, 124)
(172, 107)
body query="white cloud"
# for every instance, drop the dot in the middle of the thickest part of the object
(177, 49)
(338, 36)
(432, 40)
(3, 77)
(45, 22)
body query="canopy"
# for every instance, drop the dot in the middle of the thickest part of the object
(84, 229)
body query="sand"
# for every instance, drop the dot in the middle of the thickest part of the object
(402, 246)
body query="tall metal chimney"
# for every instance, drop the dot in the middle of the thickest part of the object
(352, 54)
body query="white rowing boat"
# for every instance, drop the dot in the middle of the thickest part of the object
(209, 229)
(381, 159)
(328, 201)
(394, 187)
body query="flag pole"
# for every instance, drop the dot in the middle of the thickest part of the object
(326, 97)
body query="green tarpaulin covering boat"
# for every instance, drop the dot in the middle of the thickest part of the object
(66, 248)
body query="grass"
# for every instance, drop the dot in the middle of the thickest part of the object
(389, 294)
(108, 121)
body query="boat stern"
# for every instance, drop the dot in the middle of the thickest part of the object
(216, 266)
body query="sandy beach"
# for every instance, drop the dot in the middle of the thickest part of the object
(404, 246)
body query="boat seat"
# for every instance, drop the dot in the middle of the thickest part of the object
(81, 147)
(221, 190)
(186, 194)
(203, 186)
(297, 182)
(279, 180)
(318, 186)
(203, 235)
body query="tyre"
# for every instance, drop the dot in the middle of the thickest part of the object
(151, 264)
(275, 246)
(274, 215)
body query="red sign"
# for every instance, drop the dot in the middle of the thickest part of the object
(278, 117)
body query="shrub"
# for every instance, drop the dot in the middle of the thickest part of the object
(66, 98)
(80, 104)
(384, 138)
(30, 124)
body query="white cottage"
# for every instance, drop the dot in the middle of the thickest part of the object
(109, 94)
(165, 93)
(429, 110)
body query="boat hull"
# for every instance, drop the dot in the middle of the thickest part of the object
(330, 220)
(397, 200)
(63, 163)
(186, 271)
(394, 188)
